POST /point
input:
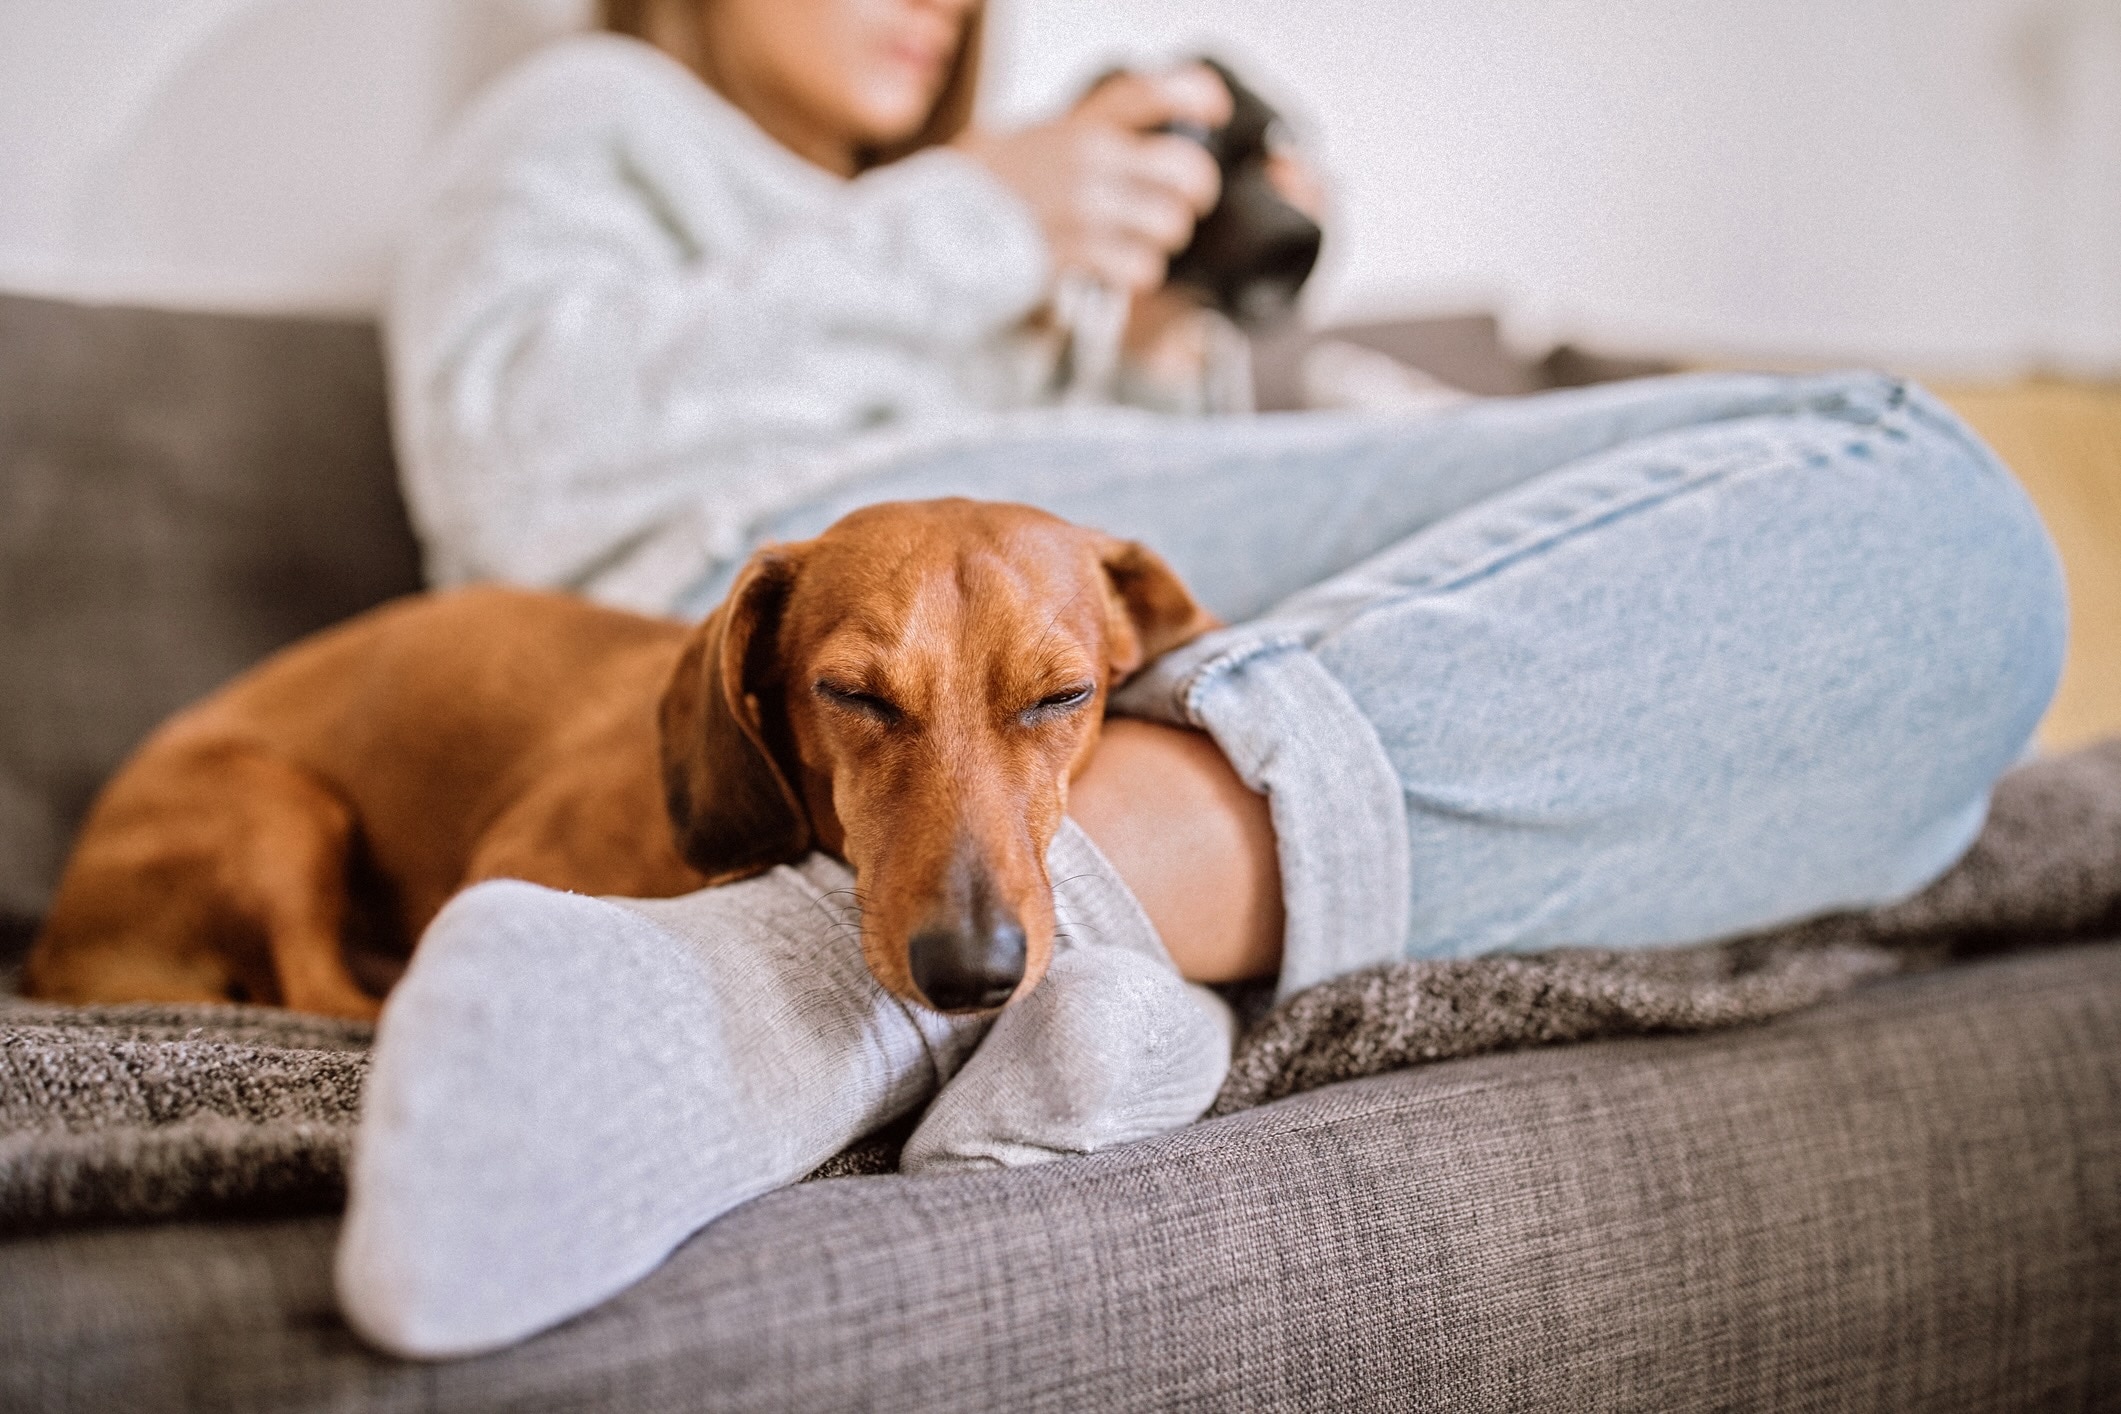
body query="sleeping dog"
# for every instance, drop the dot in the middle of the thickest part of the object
(911, 691)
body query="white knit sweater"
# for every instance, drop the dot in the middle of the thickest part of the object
(627, 326)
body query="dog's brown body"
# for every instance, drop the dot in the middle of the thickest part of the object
(911, 691)
(351, 783)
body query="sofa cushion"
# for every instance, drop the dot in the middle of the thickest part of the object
(1909, 1198)
(179, 494)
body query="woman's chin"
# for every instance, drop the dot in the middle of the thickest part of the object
(891, 113)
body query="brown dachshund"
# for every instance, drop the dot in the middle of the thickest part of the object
(912, 691)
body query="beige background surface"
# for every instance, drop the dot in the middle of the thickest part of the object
(2064, 441)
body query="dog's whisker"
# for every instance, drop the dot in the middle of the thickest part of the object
(1055, 620)
(1099, 935)
(859, 902)
(1083, 924)
(843, 925)
(1059, 884)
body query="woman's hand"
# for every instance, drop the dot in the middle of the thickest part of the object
(1166, 338)
(1116, 198)
(1297, 183)
(1165, 332)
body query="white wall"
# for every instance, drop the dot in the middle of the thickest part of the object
(230, 153)
(1933, 183)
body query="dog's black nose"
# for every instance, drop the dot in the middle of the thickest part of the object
(968, 970)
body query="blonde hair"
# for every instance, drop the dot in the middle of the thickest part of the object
(673, 26)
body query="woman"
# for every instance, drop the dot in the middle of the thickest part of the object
(1634, 666)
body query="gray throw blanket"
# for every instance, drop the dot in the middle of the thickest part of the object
(138, 1112)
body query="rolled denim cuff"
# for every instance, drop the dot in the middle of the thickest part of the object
(1293, 733)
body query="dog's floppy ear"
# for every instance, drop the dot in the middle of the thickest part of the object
(731, 794)
(1153, 611)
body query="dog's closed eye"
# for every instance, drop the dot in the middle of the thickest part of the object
(1058, 704)
(867, 704)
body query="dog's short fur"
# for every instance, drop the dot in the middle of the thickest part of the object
(911, 691)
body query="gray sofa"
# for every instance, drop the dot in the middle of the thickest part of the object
(1909, 1198)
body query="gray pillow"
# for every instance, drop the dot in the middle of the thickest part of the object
(179, 494)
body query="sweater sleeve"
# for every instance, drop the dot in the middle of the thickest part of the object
(575, 360)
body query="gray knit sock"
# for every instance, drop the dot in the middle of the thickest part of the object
(1111, 1047)
(565, 1088)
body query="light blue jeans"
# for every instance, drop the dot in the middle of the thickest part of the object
(1637, 665)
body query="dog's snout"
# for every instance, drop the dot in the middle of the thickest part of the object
(967, 969)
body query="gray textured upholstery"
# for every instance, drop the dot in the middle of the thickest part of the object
(179, 494)
(1906, 1199)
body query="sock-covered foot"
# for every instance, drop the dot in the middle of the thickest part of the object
(565, 1088)
(1113, 1046)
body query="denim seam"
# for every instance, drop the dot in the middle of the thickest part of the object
(1561, 529)
(1189, 690)
(1894, 407)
